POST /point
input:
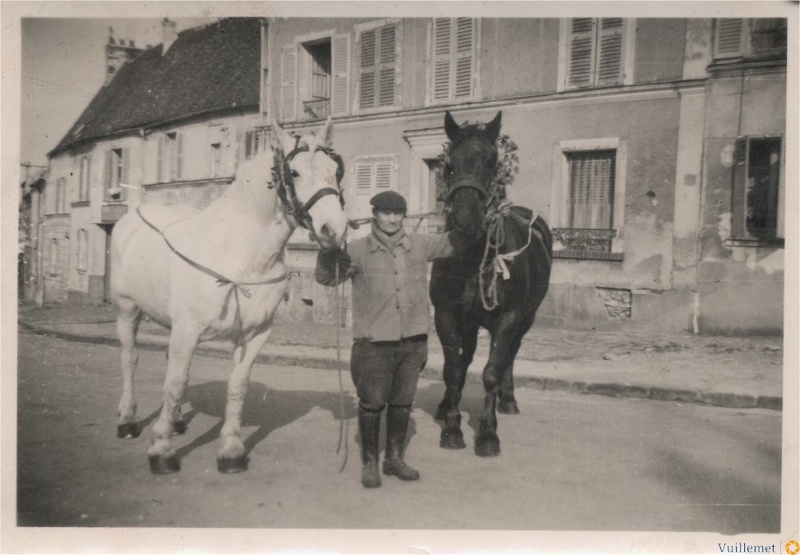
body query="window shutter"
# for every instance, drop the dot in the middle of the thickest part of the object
(160, 161)
(363, 179)
(289, 83)
(465, 40)
(367, 80)
(609, 57)
(126, 165)
(441, 58)
(107, 182)
(739, 185)
(378, 67)
(383, 176)
(387, 65)
(340, 70)
(179, 155)
(728, 39)
(580, 52)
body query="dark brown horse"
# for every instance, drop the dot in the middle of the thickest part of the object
(497, 284)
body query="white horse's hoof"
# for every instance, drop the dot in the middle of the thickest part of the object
(164, 465)
(232, 466)
(128, 430)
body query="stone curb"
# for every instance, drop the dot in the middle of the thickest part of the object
(612, 389)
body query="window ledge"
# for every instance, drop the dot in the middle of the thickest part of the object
(764, 243)
(79, 203)
(589, 255)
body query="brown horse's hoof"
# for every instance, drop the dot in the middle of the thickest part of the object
(232, 466)
(128, 430)
(507, 407)
(164, 465)
(180, 427)
(487, 445)
(452, 439)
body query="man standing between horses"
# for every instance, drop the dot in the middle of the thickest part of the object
(390, 326)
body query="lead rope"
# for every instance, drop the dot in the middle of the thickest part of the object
(344, 423)
(495, 237)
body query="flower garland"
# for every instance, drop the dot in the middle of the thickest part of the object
(507, 169)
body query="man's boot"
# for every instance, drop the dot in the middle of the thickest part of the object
(369, 426)
(396, 427)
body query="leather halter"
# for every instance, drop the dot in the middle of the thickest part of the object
(464, 182)
(285, 182)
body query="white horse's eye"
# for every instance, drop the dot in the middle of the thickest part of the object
(295, 174)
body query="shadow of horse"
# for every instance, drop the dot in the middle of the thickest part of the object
(264, 408)
(428, 397)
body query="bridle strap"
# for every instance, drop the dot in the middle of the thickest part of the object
(288, 194)
(465, 182)
(318, 195)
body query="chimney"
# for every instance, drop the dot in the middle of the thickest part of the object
(170, 34)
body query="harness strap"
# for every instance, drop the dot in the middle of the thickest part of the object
(235, 286)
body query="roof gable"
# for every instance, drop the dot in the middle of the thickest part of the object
(207, 69)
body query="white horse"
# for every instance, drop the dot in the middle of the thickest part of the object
(219, 273)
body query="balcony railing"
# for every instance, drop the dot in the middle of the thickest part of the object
(583, 239)
(316, 109)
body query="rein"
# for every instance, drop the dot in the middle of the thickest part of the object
(236, 287)
(495, 237)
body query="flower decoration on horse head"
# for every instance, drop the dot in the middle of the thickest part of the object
(506, 171)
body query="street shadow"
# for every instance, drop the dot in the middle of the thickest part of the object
(738, 504)
(264, 408)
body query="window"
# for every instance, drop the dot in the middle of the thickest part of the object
(316, 71)
(587, 198)
(454, 59)
(215, 159)
(373, 174)
(254, 142)
(590, 203)
(595, 52)
(170, 157)
(756, 189)
(60, 206)
(84, 179)
(736, 38)
(117, 169)
(83, 250)
(378, 66)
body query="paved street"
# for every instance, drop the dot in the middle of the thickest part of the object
(568, 462)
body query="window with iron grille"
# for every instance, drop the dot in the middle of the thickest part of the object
(591, 189)
(756, 188)
(454, 43)
(595, 52)
(587, 198)
(378, 69)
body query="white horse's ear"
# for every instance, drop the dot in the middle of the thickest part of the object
(325, 135)
(280, 138)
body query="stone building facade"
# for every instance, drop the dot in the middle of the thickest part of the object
(655, 148)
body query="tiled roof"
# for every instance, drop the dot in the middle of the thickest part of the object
(207, 69)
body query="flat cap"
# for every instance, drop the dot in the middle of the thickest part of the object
(389, 200)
